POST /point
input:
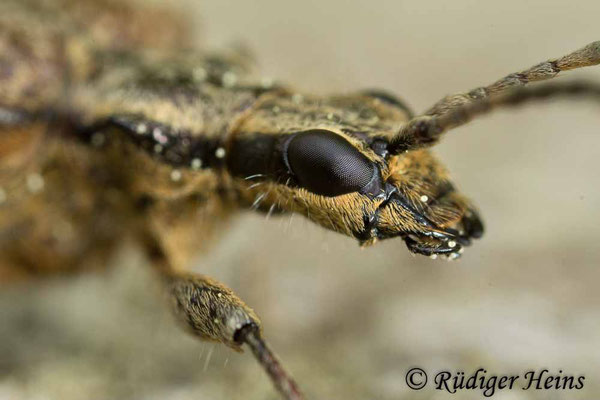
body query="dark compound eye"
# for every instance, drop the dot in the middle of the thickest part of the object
(327, 164)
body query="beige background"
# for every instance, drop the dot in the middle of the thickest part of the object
(350, 323)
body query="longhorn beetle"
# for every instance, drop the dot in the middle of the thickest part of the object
(110, 130)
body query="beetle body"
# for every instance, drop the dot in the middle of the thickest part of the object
(64, 187)
(114, 128)
(117, 125)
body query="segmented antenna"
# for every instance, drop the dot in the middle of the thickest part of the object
(458, 109)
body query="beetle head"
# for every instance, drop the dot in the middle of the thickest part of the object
(328, 160)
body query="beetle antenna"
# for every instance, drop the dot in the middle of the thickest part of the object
(426, 130)
(458, 109)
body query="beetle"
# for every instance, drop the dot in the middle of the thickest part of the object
(109, 130)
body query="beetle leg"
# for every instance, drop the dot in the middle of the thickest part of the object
(213, 312)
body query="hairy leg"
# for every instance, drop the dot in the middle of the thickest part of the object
(212, 311)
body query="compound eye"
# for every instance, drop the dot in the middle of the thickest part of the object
(326, 164)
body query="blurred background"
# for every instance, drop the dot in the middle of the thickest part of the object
(349, 323)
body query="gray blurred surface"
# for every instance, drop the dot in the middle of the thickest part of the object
(347, 322)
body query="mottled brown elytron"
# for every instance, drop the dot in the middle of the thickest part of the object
(113, 127)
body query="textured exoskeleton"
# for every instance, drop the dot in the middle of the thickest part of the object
(113, 127)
